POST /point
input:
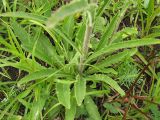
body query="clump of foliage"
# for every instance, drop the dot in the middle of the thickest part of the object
(79, 59)
(128, 72)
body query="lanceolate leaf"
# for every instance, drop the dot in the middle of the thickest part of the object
(80, 33)
(80, 90)
(109, 31)
(43, 49)
(38, 105)
(36, 75)
(122, 45)
(101, 10)
(64, 11)
(112, 60)
(116, 58)
(69, 41)
(68, 27)
(24, 37)
(63, 94)
(146, 3)
(109, 81)
(29, 16)
(4, 4)
(28, 65)
(112, 27)
(70, 113)
(150, 6)
(91, 108)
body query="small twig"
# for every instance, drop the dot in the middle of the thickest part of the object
(125, 113)
(136, 80)
(139, 97)
(113, 97)
(144, 98)
(136, 107)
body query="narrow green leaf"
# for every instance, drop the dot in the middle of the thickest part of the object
(5, 43)
(150, 19)
(109, 31)
(28, 65)
(91, 108)
(105, 70)
(146, 3)
(116, 58)
(63, 94)
(112, 27)
(149, 4)
(43, 48)
(69, 26)
(38, 103)
(24, 37)
(80, 90)
(24, 94)
(122, 45)
(80, 34)
(112, 59)
(109, 81)
(98, 93)
(25, 15)
(64, 81)
(25, 103)
(124, 33)
(61, 34)
(4, 4)
(36, 75)
(102, 8)
(70, 113)
(6, 109)
(53, 110)
(67, 10)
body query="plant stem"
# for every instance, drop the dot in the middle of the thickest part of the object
(86, 42)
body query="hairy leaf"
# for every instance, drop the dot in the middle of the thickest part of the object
(109, 81)
(80, 90)
(66, 10)
(63, 94)
(92, 108)
(36, 75)
(122, 45)
(70, 113)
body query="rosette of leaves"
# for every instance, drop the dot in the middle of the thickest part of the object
(56, 53)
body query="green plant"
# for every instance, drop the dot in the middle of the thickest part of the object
(127, 72)
(68, 58)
